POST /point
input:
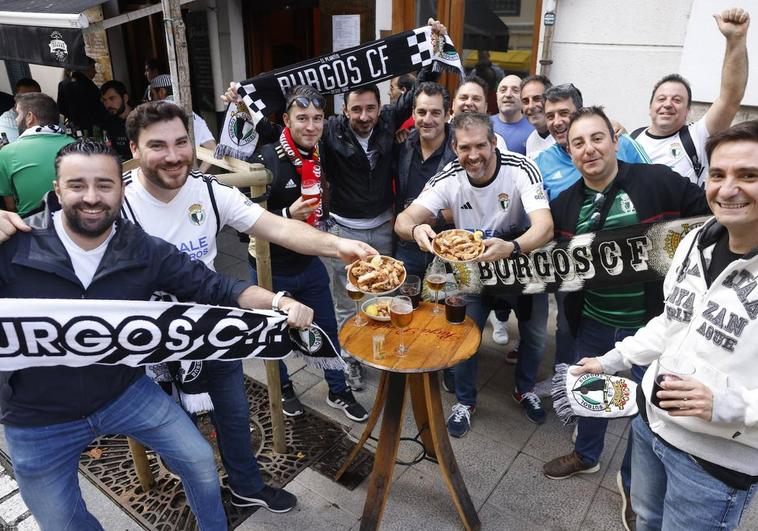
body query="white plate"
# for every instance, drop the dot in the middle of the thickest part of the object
(434, 249)
(374, 300)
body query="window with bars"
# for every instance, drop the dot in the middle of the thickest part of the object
(505, 8)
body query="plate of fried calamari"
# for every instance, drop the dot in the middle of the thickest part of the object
(377, 275)
(458, 246)
(377, 308)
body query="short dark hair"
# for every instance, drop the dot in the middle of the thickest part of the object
(305, 91)
(27, 82)
(473, 78)
(116, 85)
(536, 77)
(153, 112)
(88, 147)
(747, 131)
(361, 90)
(430, 88)
(406, 81)
(40, 105)
(586, 112)
(466, 120)
(674, 78)
(562, 92)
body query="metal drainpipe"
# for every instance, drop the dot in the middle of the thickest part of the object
(215, 46)
(548, 21)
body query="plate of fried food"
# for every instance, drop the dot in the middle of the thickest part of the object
(377, 308)
(458, 246)
(377, 275)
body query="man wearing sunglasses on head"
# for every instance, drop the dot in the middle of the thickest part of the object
(610, 194)
(293, 160)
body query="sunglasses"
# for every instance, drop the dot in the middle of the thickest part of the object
(319, 102)
(596, 218)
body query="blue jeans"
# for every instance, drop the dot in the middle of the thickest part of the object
(45, 458)
(414, 259)
(311, 287)
(671, 490)
(380, 238)
(533, 333)
(231, 418)
(594, 339)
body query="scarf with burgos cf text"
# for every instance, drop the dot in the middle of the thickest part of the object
(334, 73)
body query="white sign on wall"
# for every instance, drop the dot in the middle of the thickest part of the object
(704, 46)
(346, 33)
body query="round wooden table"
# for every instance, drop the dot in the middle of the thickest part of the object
(433, 344)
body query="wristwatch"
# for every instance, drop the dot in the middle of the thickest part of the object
(278, 297)
(516, 249)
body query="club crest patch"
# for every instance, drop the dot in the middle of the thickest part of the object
(504, 201)
(58, 47)
(598, 392)
(197, 214)
(676, 150)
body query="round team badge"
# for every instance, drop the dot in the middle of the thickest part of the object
(676, 150)
(197, 214)
(504, 201)
(313, 340)
(597, 392)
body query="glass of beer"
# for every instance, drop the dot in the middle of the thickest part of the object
(670, 368)
(435, 279)
(356, 296)
(455, 307)
(401, 314)
(412, 288)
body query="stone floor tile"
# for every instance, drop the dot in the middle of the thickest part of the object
(501, 518)
(604, 512)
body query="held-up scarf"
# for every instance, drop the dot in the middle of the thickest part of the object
(334, 73)
(309, 170)
(77, 333)
(592, 395)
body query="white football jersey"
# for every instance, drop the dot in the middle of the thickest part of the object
(499, 208)
(190, 220)
(670, 151)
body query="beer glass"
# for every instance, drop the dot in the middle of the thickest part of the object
(356, 296)
(401, 315)
(435, 279)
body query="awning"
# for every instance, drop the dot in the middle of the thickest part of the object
(45, 32)
(483, 29)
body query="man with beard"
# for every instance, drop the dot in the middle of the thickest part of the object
(8, 118)
(116, 101)
(510, 122)
(26, 165)
(533, 106)
(294, 159)
(187, 208)
(79, 249)
(501, 195)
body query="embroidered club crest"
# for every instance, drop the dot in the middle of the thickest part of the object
(600, 392)
(241, 129)
(196, 214)
(313, 339)
(192, 372)
(626, 204)
(58, 47)
(676, 150)
(504, 201)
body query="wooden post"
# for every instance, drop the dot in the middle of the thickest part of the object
(451, 14)
(178, 59)
(256, 177)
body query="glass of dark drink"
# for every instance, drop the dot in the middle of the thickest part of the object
(455, 307)
(412, 289)
(670, 368)
(356, 296)
(401, 315)
(435, 279)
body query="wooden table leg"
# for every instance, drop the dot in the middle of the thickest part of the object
(420, 413)
(381, 391)
(386, 451)
(448, 466)
(141, 465)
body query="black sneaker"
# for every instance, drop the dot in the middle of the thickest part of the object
(272, 498)
(448, 380)
(348, 404)
(532, 406)
(291, 405)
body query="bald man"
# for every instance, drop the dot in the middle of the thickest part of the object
(509, 122)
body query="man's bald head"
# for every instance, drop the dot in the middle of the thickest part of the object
(509, 99)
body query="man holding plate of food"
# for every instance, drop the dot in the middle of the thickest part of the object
(499, 194)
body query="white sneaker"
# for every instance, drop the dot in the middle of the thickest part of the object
(499, 330)
(575, 433)
(544, 389)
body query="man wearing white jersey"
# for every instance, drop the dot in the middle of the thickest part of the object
(188, 209)
(669, 139)
(501, 195)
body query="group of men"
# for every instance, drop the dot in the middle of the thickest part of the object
(544, 166)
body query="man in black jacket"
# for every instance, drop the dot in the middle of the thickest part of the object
(294, 159)
(611, 194)
(85, 251)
